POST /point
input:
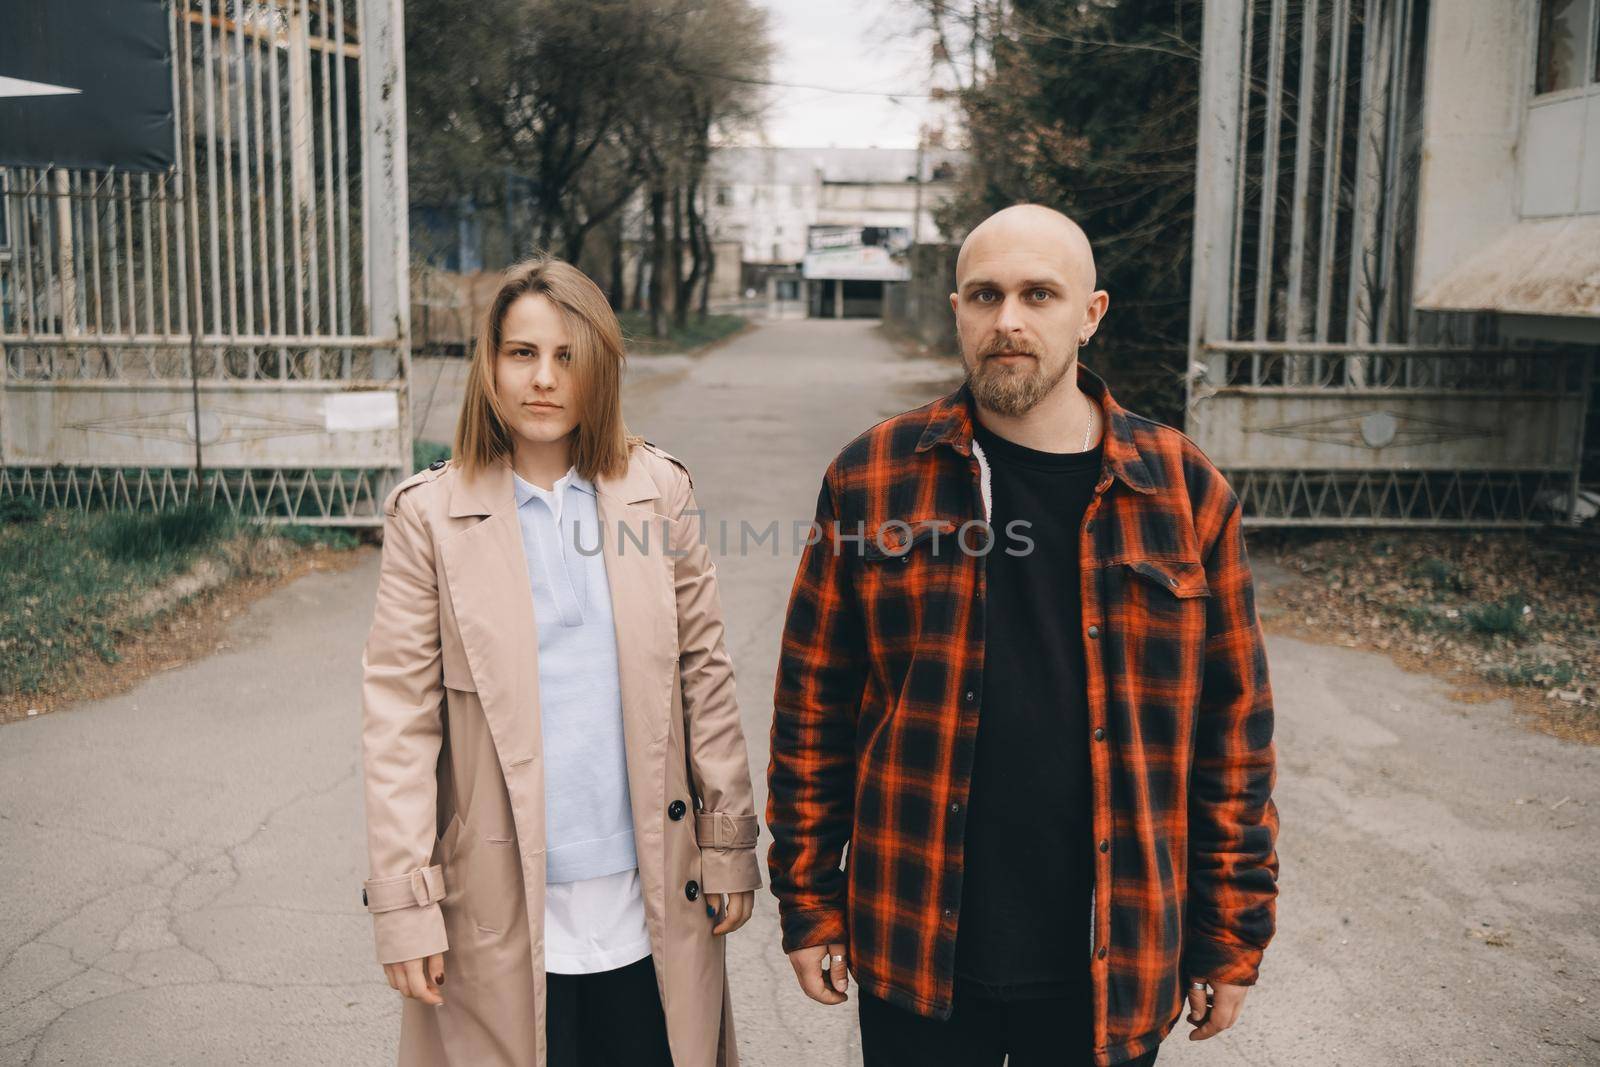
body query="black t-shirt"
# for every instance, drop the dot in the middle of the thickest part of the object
(1028, 870)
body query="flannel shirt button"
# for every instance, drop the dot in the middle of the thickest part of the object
(971, 696)
(955, 809)
(1094, 631)
(1099, 734)
(948, 913)
(1102, 953)
(1105, 846)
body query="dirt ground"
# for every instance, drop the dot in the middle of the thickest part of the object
(1503, 615)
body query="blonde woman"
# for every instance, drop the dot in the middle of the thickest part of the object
(559, 816)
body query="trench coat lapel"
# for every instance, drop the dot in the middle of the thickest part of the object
(493, 602)
(643, 607)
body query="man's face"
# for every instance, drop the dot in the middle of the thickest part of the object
(1021, 308)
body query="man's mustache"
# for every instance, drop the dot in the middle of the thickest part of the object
(1008, 348)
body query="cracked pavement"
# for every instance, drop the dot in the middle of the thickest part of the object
(183, 862)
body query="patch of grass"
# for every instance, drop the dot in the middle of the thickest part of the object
(70, 578)
(1501, 617)
(1440, 575)
(19, 509)
(696, 334)
(1541, 675)
(128, 536)
(334, 537)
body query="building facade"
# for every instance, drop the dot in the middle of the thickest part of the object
(823, 229)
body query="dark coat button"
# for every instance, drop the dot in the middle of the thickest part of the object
(437, 464)
(363, 898)
(676, 810)
(692, 890)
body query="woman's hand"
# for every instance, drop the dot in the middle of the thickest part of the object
(735, 912)
(419, 979)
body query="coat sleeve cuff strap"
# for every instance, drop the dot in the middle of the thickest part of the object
(418, 889)
(718, 829)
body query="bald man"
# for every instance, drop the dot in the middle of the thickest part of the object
(1022, 680)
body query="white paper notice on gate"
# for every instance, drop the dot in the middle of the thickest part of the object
(376, 409)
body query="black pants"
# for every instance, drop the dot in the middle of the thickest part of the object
(1053, 1032)
(609, 1019)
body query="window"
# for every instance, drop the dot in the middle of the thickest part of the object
(1568, 57)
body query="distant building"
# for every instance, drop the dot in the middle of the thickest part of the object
(825, 228)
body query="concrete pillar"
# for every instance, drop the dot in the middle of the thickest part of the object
(838, 298)
(773, 310)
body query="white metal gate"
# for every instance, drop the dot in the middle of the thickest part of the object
(1312, 381)
(234, 329)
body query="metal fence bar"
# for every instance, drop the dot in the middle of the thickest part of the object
(258, 55)
(1388, 296)
(363, 105)
(214, 322)
(1265, 253)
(241, 143)
(328, 211)
(1357, 308)
(1332, 175)
(107, 215)
(277, 188)
(298, 164)
(1236, 253)
(342, 175)
(1300, 205)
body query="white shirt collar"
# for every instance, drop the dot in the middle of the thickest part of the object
(526, 490)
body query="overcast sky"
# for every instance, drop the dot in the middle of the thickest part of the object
(846, 44)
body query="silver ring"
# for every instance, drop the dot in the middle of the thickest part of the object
(1197, 985)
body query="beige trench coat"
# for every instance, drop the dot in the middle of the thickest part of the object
(455, 772)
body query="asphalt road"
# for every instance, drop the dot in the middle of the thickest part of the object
(182, 864)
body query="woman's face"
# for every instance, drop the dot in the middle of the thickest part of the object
(532, 371)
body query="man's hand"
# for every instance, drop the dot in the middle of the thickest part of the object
(1213, 1012)
(826, 986)
(419, 979)
(736, 910)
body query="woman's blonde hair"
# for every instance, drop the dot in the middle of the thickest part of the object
(601, 442)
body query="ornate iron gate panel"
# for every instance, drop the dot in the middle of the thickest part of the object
(235, 328)
(1312, 382)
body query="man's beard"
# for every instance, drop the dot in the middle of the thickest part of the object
(1013, 391)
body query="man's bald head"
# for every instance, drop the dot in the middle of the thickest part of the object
(1036, 229)
(1025, 302)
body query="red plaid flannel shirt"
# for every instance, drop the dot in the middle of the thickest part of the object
(876, 716)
